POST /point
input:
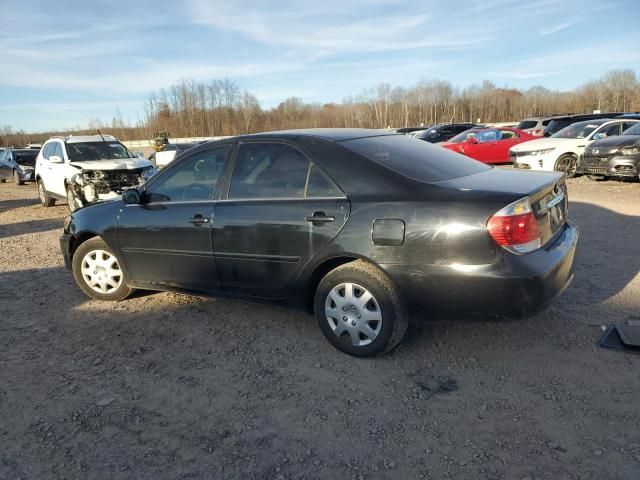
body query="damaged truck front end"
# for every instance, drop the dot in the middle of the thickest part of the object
(91, 186)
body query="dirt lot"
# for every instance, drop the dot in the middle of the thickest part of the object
(170, 386)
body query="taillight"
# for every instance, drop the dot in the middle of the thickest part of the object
(515, 228)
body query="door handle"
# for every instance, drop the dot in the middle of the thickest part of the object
(198, 220)
(318, 218)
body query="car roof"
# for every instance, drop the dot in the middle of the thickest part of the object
(85, 138)
(331, 134)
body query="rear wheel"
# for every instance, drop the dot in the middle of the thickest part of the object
(359, 310)
(568, 164)
(45, 199)
(16, 178)
(98, 272)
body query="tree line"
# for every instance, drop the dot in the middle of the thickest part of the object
(220, 107)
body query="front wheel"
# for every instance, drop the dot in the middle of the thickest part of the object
(568, 164)
(98, 272)
(43, 195)
(359, 310)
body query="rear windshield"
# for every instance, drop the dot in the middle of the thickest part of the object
(25, 157)
(555, 125)
(527, 124)
(415, 158)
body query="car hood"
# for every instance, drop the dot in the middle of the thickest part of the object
(113, 164)
(544, 143)
(617, 141)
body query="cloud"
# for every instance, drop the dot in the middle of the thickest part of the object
(556, 28)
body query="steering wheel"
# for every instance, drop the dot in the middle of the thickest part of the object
(196, 191)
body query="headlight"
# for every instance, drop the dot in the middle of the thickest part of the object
(90, 193)
(148, 173)
(634, 150)
(78, 178)
(537, 152)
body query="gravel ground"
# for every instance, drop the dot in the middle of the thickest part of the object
(170, 386)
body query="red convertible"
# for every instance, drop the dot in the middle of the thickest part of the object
(487, 145)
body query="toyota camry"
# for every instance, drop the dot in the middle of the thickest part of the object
(359, 227)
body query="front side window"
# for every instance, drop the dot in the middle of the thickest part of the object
(57, 150)
(609, 131)
(192, 179)
(107, 150)
(47, 150)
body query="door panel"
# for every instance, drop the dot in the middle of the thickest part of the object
(162, 244)
(167, 239)
(261, 246)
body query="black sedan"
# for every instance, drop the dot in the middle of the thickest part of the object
(358, 226)
(617, 156)
(442, 133)
(18, 164)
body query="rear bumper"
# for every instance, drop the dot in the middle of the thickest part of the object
(65, 247)
(518, 286)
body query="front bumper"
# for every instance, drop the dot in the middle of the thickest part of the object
(65, 247)
(610, 166)
(533, 162)
(518, 286)
(27, 175)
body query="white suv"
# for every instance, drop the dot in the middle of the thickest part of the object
(85, 169)
(562, 150)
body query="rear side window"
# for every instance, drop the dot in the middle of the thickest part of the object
(415, 159)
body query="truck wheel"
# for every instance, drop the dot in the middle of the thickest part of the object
(45, 199)
(359, 310)
(98, 271)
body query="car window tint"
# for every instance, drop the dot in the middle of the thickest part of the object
(610, 131)
(627, 125)
(319, 185)
(507, 134)
(488, 136)
(192, 179)
(46, 151)
(414, 158)
(269, 170)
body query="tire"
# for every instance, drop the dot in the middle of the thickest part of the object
(72, 201)
(92, 263)
(339, 293)
(2, 180)
(45, 200)
(16, 178)
(567, 163)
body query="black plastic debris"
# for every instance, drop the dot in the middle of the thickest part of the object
(622, 337)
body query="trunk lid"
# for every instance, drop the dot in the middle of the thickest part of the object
(547, 192)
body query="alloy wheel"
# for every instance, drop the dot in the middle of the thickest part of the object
(352, 310)
(101, 271)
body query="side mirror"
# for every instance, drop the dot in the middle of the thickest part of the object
(55, 159)
(472, 140)
(131, 196)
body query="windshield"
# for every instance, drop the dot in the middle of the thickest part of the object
(83, 151)
(577, 130)
(415, 158)
(464, 136)
(527, 124)
(635, 130)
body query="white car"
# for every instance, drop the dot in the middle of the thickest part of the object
(562, 150)
(85, 169)
(165, 156)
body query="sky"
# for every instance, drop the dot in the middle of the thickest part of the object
(65, 62)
